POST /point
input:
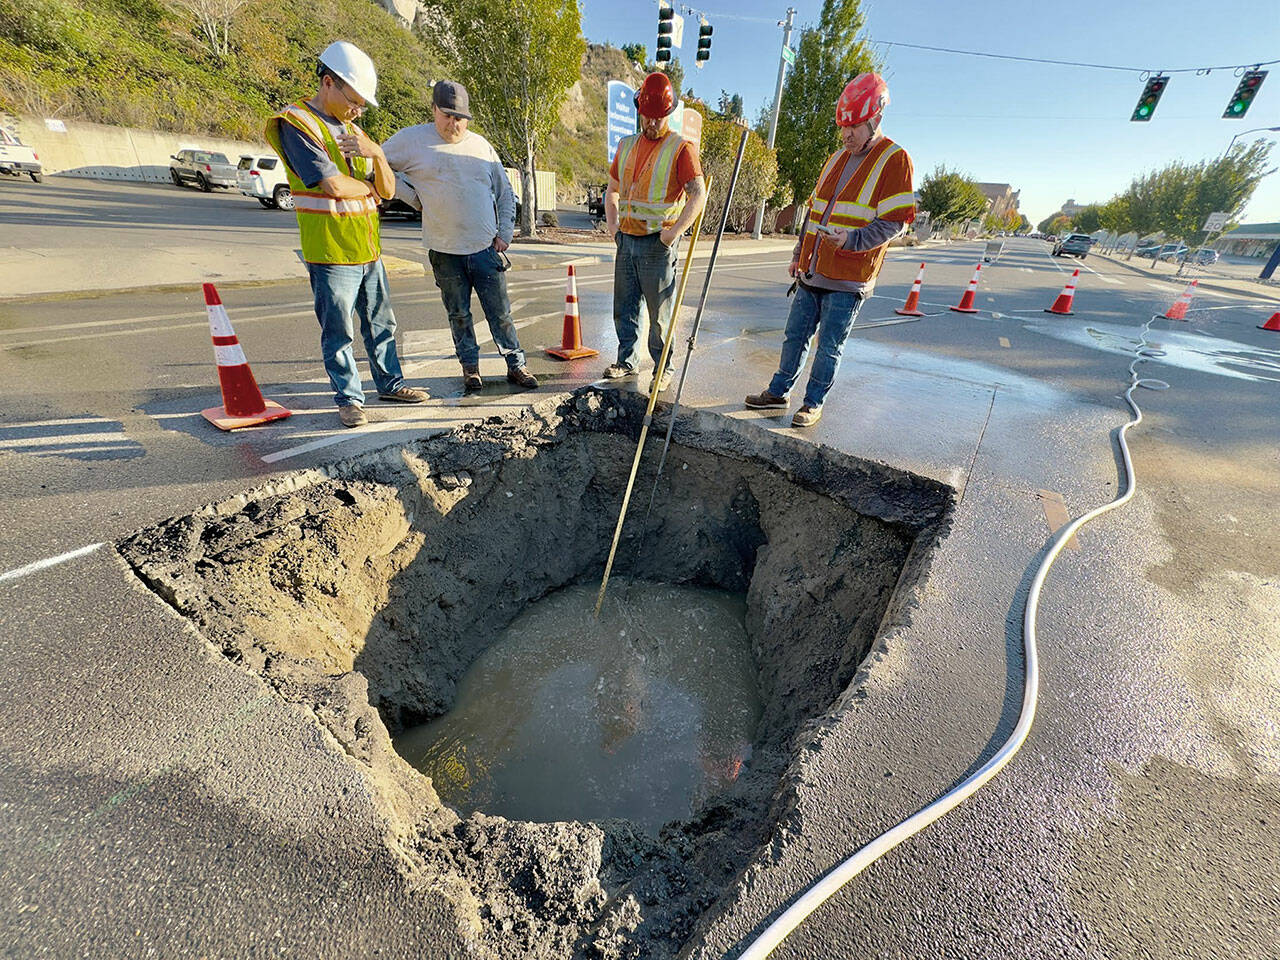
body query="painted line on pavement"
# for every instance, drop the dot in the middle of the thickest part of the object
(39, 565)
(377, 426)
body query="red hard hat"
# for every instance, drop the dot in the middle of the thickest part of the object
(655, 97)
(864, 98)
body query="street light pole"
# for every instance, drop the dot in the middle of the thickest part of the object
(1245, 134)
(777, 104)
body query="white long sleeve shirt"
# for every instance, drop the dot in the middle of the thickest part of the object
(464, 193)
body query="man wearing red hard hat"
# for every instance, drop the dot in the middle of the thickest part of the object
(862, 200)
(655, 192)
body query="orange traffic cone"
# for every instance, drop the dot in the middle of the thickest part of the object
(912, 307)
(1273, 324)
(242, 403)
(1062, 306)
(1179, 309)
(571, 347)
(966, 302)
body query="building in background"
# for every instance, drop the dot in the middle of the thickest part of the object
(1250, 240)
(1001, 198)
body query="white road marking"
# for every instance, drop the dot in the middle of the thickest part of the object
(378, 426)
(39, 565)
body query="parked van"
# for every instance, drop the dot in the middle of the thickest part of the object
(264, 179)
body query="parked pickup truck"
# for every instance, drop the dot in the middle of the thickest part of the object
(203, 168)
(16, 158)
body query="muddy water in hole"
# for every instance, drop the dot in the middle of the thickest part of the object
(638, 715)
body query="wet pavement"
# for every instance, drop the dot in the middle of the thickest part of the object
(1138, 821)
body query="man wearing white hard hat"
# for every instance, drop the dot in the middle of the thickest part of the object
(337, 175)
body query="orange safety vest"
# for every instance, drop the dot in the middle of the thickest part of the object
(880, 187)
(649, 198)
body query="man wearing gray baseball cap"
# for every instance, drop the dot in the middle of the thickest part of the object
(468, 209)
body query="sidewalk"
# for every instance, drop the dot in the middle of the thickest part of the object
(1210, 278)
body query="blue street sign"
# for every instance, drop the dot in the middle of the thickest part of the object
(622, 114)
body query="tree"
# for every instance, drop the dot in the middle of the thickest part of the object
(950, 197)
(1060, 224)
(518, 61)
(829, 56)
(1088, 220)
(757, 180)
(730, 106)
(635, 53)
(1177, 198)
(214, 19)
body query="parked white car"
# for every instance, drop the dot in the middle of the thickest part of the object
(264, 179)
(16, 158)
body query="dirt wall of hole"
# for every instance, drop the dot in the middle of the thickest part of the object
(367, 594)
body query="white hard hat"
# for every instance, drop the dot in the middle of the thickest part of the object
(354, 67)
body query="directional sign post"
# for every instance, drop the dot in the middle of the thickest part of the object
(622, 114)
(789, 55)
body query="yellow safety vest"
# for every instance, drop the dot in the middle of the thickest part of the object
(649, 198)
(332, 230)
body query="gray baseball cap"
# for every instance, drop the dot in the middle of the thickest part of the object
(452, 98)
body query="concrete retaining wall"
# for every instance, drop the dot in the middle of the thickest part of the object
(103, 152)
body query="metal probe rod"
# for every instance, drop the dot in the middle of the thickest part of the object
(653, 398)
(697, 320)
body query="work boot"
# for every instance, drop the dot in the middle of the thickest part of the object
(521, 377)
(663, 381)
(806, 416)
(405, 395)
(471, 382)
(616, 371)
(764, 400)
(352, 415)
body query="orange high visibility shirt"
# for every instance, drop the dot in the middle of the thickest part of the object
(881, 188)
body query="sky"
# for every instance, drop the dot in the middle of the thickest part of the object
(1054, 132)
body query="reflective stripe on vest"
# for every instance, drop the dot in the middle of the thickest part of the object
(642, 200)
(337, 231)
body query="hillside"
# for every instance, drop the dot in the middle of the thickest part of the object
(144, 63)
(577, 151)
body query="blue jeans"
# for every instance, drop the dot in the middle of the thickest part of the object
(829, 313)
(341, 290)
(644, 268)
(457, 274)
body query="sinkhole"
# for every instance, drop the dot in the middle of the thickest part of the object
(577, 787)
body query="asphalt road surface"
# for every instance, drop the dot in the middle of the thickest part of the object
(154, 797)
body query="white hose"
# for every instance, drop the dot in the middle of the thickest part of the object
(842, 873)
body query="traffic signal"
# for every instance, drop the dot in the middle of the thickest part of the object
(704, 42)
(1244, 94)
(1150, 97)
(666, 18)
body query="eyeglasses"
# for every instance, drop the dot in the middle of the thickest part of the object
(342, 89)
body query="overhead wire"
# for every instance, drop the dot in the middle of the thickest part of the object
(1066, 63)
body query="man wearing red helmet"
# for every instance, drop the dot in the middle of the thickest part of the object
(655, 192)
(862, 200)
